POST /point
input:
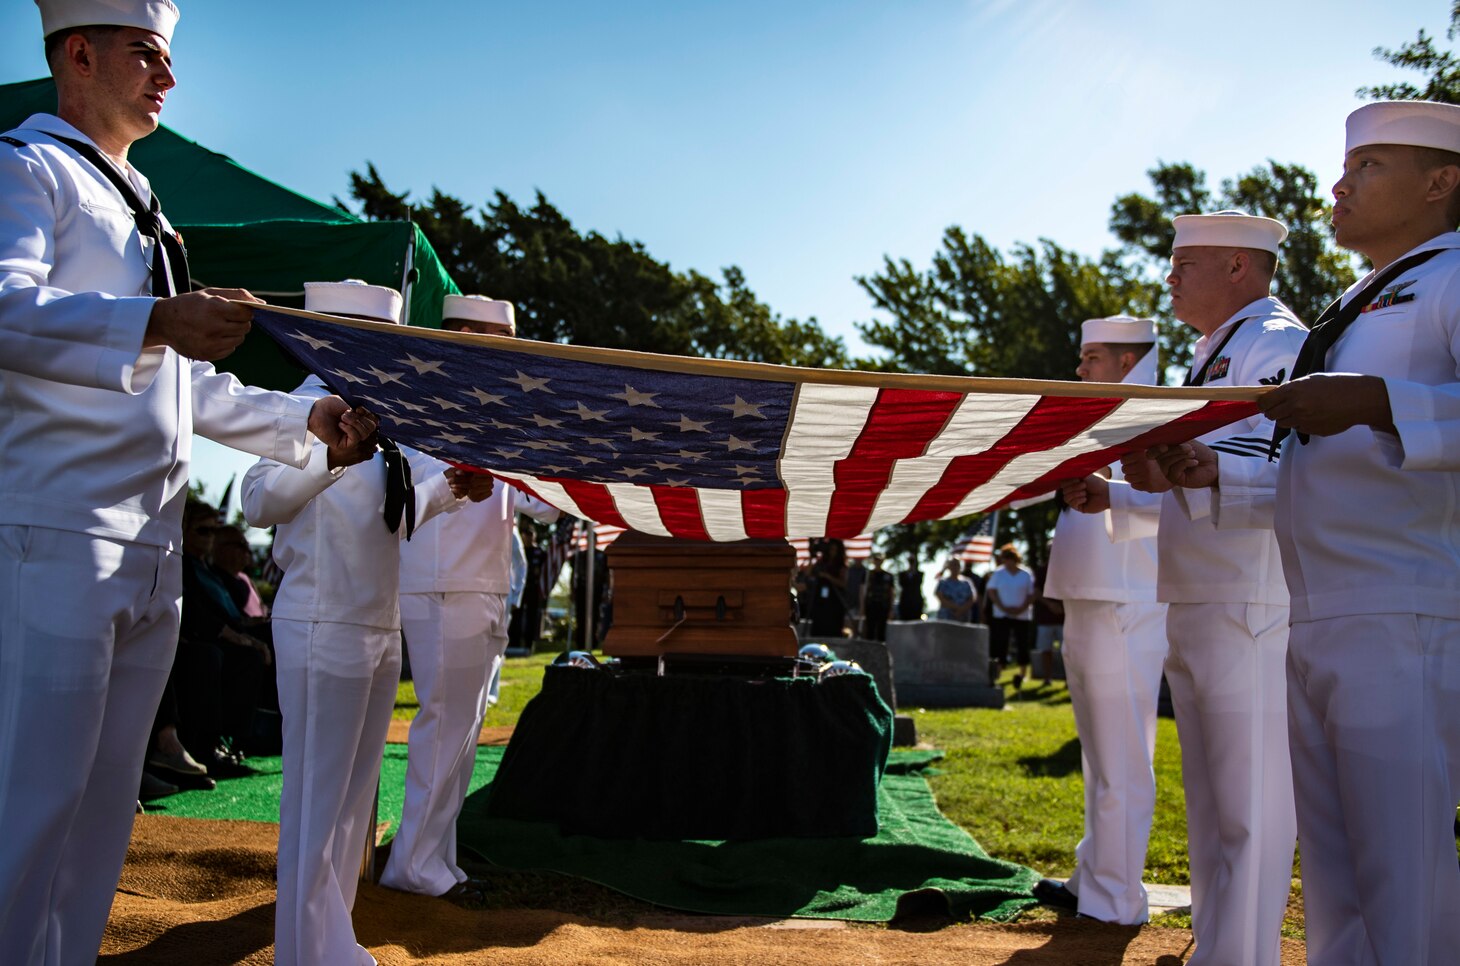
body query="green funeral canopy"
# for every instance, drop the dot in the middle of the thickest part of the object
(244, 231)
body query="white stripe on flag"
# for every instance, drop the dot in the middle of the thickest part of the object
(823, 429)
(979, 422)
(1129, 420)
(636, 505)
(721, 511)
(551, 492)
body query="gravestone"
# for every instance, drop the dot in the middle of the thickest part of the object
(942, 664)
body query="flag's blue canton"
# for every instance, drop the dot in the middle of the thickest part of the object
(541, 416)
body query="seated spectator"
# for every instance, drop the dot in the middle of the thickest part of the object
(233, 559)
(223, 664)
(169, 768)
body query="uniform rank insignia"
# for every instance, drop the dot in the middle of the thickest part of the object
(1219, 367)
(1391, 296)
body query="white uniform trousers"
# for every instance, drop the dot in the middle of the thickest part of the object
(1374, 711)
(454, 639)
(337, 686)
(1226, 669)
(1113, 656)
(88, 629)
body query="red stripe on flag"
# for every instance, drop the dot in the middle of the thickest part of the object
(594, 500)
(900, 425)
(519, 484)
(1213, 415)
(1052, 422)
(764, 512)
(679, 510)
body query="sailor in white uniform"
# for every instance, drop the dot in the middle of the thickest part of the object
(99, 398)
(1220, 572)
(454, 581)
(337, 651)
(1114, 647)
(1368, 518)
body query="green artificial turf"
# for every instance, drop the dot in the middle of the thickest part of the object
(918, 859)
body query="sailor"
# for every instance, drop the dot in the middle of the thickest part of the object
(337, 647)
(1114, 647)
(102, 385)
(1367, 515)
(454, 581)
(1220, 572)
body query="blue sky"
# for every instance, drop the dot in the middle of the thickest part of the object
(800, 141)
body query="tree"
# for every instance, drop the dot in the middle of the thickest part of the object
(1311, 272)
(1443, 68)
(584, 288)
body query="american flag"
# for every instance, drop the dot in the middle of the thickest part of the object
(711, 449)
(977, 544)
(603, 535)
(559, 548)
(858, 548)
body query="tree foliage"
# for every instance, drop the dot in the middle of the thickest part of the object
(1311, 272)
(581, 287)
(1442, 68)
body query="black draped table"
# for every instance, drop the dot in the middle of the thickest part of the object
(692, 756)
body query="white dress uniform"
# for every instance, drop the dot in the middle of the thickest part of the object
(454, 581)
(1368, 524)
(1221, 574)
(97, 437)
(1114, 647)
(337, 647)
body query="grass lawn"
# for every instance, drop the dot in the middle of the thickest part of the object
(1011, 777)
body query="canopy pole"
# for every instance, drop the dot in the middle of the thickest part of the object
(408, 277)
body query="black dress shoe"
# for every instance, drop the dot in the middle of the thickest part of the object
(154, 787)
(1053, 892)
(195, 783)
(226, 766)
(465, 896)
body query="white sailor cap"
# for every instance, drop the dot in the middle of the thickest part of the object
(1422, 124)
(1117, 329)
(354, 298)
(158, 16)
(479, 308)
(1228, 229)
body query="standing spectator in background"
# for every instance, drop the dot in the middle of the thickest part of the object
(957, 598)
(526, 626)
(1049, 623)
(980, 584)
(876, 600)
(910, 591)
(1010, 593)
(581, 602)
(856, 580)
(828, 590)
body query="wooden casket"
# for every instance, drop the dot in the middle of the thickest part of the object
(675, 596)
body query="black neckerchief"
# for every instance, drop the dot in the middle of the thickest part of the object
(1335, 320)
(1199, 377)
(400, 492)
(169, 258)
